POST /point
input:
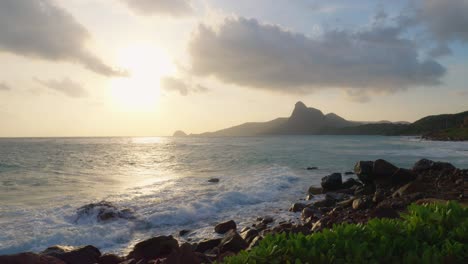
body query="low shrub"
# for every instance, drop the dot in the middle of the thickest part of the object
(434, 233)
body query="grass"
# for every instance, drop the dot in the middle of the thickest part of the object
(434, 233)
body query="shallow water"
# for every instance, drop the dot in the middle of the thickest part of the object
(164, 181)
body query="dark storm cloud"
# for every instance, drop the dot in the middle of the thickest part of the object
(4, 87)
(65, 86)
(248, 53)
(175, 8)
(172, 84)
(41, 29)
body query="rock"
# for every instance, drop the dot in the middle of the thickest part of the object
(74, 255)
(110, 259)
(266, 220)
(327, 202)
(213, 180)
(314, 190)
(425, 164)
(403, 176)
(179, 133)
(383, 169)
(206, 245)
(332, 182)
(129, 261)
(29, 258)
(366, 189)
(379, 196)
(224, 227)
(363, 170)
(249, 235)
(409, 188)
(183, 232)
(183, 255)
(350, 183)
(309, 197)
(233, 242)
(349, 173)
(310, 212)
(337, 197)
(153, 248)
(255, 242)
(297, 207)
(103, 211)
(361, 203)
(312, 168)
(345, 203)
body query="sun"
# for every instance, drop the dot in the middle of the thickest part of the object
(140, 90)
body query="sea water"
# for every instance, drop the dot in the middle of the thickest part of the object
(164, 181)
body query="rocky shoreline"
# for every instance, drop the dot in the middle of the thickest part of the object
(381, 190)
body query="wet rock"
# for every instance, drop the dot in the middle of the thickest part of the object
(110, 259)
(29, 258)
(153, 248)
(312, 168)
(224, 227)
(297, 207)
(206, 245)
(233, 242)
(332, 182)
(213, 180)
(314, 190)
(362, 203)
(183, 232)
(363, 170)
(366, 189)
(425, 164)
(74, 255)
(350, 183)
(249, 235)
(103, 211)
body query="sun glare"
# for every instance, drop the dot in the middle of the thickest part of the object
(140, 91)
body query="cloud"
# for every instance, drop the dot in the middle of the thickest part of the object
(4, 87)
(41, 29)
(172, 84)
(174, 8)
(261, 56)
(65, 86)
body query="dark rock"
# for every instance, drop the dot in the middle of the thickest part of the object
(129, 261)
(385, 213)
(213, 180)
(297, 207)
(383, 169)
(29, 258)
(183, 232)
(249, 235)
(332, 182)
(183, 255)
(206, 245)
(153, 248)
(363, 170)
(314, 190)
(255, 242)
(366, 189)
(312, 168)
(327, 202)
(379, 196)
(350, 183)
(110, 259)
(310, 212)
(409, 188)
(425, 164)
(403, 176)
(349, 173)
(224, 227)
(309, 197)
(103, 211)
(233, 242)
(74, 255)
(336, 196)
(266, 220)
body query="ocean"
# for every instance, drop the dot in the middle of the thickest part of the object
(164, 182)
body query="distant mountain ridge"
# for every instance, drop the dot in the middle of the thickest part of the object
(310, 121)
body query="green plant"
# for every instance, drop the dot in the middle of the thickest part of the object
(434, 233)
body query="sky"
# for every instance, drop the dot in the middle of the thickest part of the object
(151, 67)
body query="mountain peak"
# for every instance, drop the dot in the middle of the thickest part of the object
(300, 105)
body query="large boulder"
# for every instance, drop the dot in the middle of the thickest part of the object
(332, 182)
(103, 211)
(409, 188)
(249, 234)
(183, 255)
(296, 207)
(29, 258)
(232, 242)
(363, 170)
(314, 190)
(350, 183)
(153, 248)
(74, 255)
(224, 227)
(425, 164)
(383, 171)
(207, 244)
(403, 176)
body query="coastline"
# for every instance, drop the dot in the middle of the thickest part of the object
(381, 190)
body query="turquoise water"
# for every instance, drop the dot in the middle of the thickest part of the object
(164, 181)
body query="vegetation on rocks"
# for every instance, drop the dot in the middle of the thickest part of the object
(430, 233)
